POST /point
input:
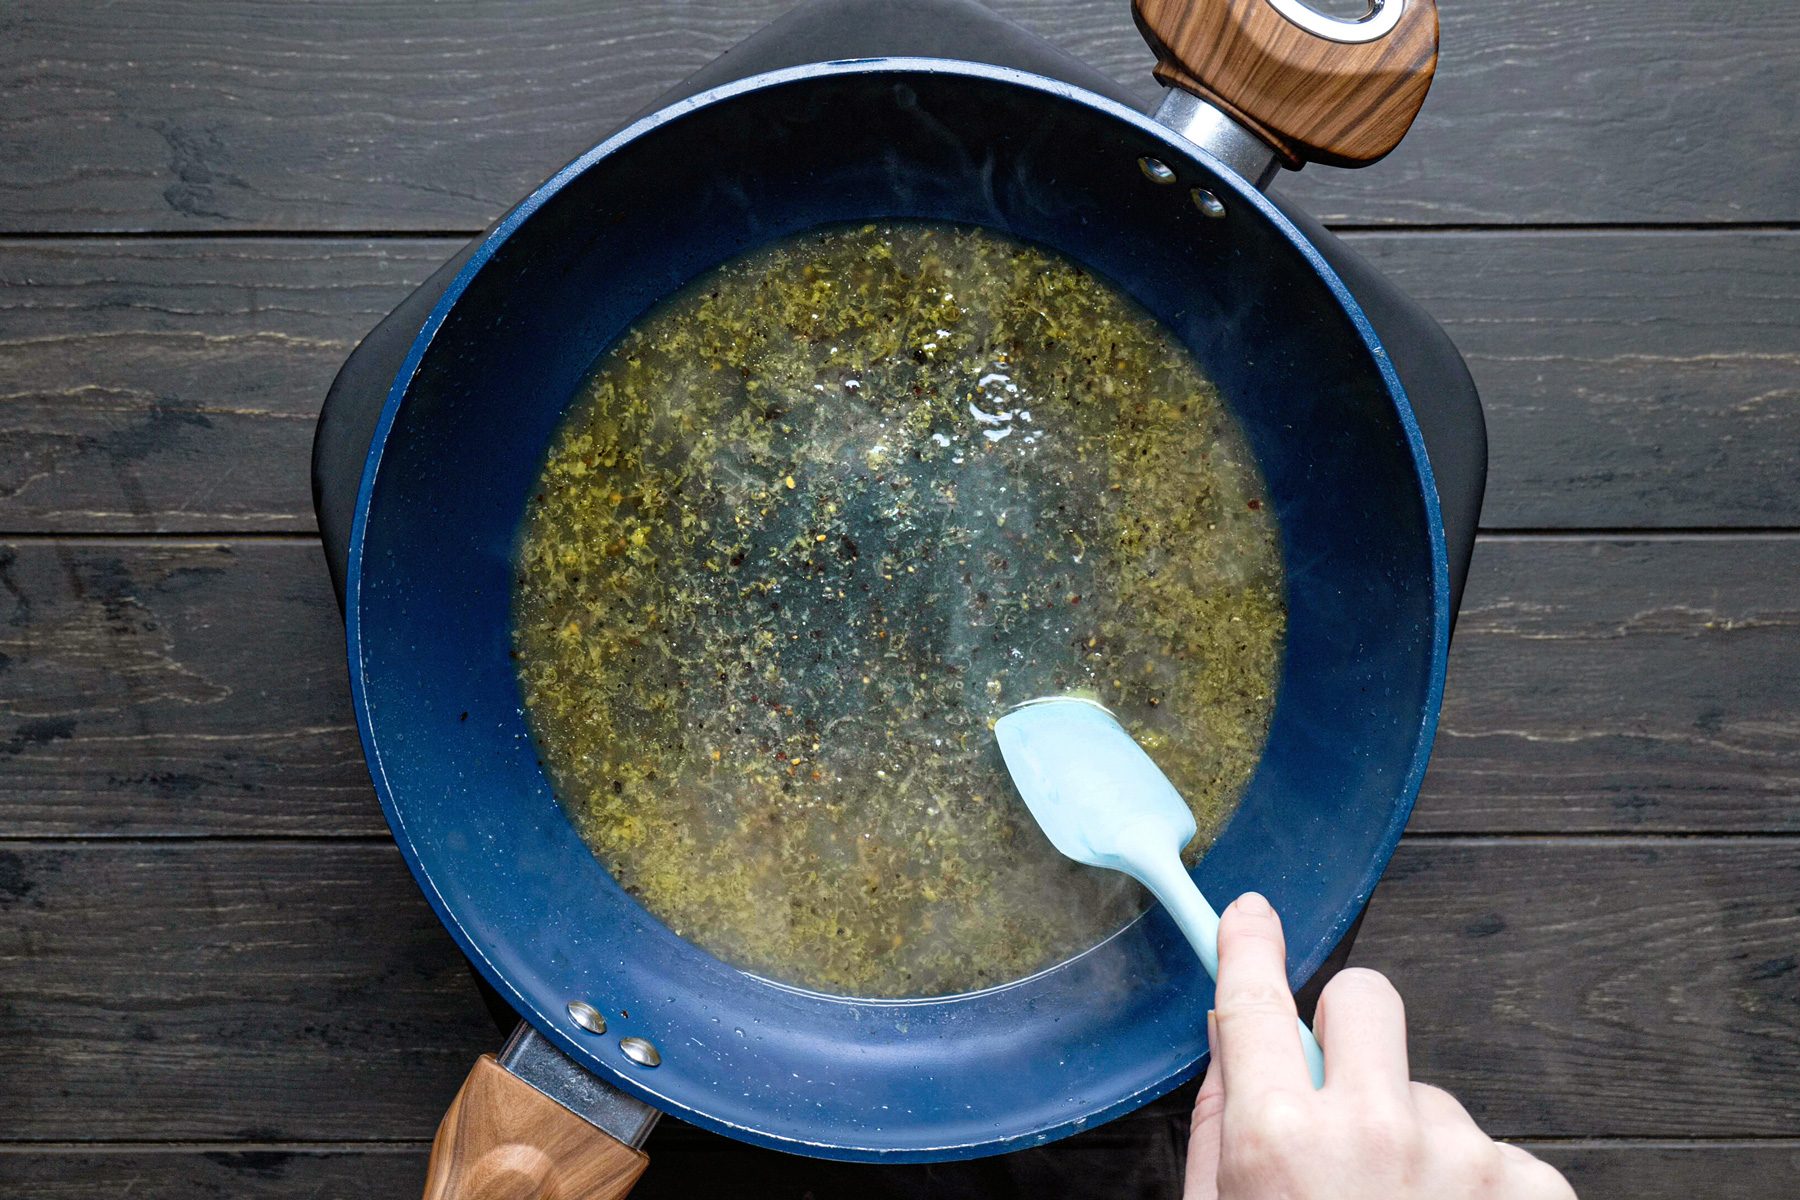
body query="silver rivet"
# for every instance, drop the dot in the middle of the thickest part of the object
(640, 1052)
(1208, 203)
(1155, 171)
(587, 1016)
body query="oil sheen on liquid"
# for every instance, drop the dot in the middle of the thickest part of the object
(815, 522)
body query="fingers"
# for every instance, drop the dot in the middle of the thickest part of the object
(1361, 1025)
(1205, 1134)
(1258, 1046)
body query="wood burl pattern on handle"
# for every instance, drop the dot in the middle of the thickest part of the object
(1313, 99)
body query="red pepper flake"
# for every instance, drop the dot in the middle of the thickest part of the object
(1255, 505)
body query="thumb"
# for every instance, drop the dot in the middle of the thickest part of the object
(1202, 1181)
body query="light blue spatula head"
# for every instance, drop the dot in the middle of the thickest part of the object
(1102, 801)
(1095, 793)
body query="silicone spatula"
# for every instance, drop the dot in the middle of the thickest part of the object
(1101, 800)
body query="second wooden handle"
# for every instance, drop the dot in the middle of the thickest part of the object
(1313, 98)
(502, 1139)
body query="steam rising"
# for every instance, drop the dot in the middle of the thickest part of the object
(816, 522)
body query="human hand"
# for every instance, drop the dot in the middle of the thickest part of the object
(1261, 1132)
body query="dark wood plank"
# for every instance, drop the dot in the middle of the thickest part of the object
(269, 991)
(1630, 380)
(171, 688)
(1599, 1171)
(1675, 1170)
(1600, 988)
(1603, 685)
(242, 992)
(224, 1172)
(1604, 111)
(1595, 686)
(182, 114)
(174, 386)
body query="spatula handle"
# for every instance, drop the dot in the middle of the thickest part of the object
(1169, 881)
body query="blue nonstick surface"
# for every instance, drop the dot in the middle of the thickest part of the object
(457, 451)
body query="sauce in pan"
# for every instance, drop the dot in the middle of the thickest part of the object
(812, 525)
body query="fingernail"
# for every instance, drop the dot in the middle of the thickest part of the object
(1212, 1029)
(1252, 904)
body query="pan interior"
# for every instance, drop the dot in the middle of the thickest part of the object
(817, 521)
(431, 583)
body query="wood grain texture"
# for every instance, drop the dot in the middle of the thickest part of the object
(240, 992)
(1630, 111)
(1684, 1170)
(1675, 1170)
(1600, 686)
(1607, 685)
(168, 688)
(1629, 379)
(274, 991)
(295, 114)
(1600, 989)
(223, 1171)
(239, 1017)
(502, 1139)
(174, 386)
(1315, 100)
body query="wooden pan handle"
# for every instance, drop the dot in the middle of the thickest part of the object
(502, 1139)
(1344, 99)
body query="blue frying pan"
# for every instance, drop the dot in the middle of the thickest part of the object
(609, 989)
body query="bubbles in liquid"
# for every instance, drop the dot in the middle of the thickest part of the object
(812, 525)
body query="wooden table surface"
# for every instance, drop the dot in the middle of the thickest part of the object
(216, 977)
